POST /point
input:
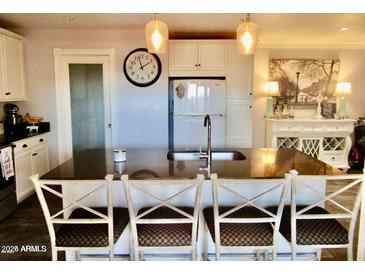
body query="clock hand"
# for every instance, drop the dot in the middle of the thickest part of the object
(139, 59)
(146, 65)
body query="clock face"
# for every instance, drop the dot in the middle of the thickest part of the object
(142, 68)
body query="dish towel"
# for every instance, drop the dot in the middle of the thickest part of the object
(6, 159)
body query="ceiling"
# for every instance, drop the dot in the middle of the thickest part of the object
(274, 28)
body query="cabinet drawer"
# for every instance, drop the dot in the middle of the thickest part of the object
(332, 157)
(314, 128)
(339, 128)
(288, 128)
(27, 143)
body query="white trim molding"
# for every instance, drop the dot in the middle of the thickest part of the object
(64, 57)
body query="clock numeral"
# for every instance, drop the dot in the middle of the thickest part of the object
(130, 67)
(137, 76)
(154, 66)
(149, 77)
(133, 63)
(142, 78)
(152, 72)
(132, 73)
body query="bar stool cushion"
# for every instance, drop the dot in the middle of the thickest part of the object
(241, 234)
(313, 231)
(91, 235)
(164, 234)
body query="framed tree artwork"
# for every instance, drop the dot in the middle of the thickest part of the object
(301, 81)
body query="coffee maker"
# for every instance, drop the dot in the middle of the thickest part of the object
(12, 121)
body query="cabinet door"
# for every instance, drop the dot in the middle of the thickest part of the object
(14, 65)
(239, 123)
(183, 55)
(212, 56)
(23, 170)
(41, 162)
(2, 69)
(240, 74)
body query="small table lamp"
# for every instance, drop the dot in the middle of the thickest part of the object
(270, 89)
(343, 89)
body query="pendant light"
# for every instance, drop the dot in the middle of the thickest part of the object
(247, 36)
(157, 35)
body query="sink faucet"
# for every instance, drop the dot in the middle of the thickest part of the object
(208, 154)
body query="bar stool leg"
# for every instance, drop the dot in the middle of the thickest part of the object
(78, 255)
(274, 257)
(318, 254)
(54, 254)
(350, 253)
(206, 232)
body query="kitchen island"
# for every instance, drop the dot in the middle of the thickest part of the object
(146, 164)
(153, 163)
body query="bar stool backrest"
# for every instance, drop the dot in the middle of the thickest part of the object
(276, 187)
(71, 203)
(145, 189)
(349, 182)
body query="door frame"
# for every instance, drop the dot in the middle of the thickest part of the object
(62, 59)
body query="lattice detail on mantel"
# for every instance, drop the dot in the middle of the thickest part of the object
(288, 142)
(334, 143)
(311, 147)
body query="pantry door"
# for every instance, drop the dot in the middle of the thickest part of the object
(83, 84)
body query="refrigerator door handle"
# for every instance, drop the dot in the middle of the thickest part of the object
(199, 115)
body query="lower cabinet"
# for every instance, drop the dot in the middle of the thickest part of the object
(239, 123)
(31, 157)
(326, 140)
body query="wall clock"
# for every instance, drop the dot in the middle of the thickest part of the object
(142, 68)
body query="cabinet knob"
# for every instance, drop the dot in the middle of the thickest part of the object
(250, 106)
(196, 65)
(25, 145)
(34, 154)
(7, 93)
(41, 140)
(250, 93)
(199, 65)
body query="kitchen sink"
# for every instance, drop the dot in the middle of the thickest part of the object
(196, 156)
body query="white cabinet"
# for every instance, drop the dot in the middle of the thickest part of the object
(12, 79)
(23, 170)
(239, 123)
(240, 73)
(326, 140)
(197, 58)
(31, 157)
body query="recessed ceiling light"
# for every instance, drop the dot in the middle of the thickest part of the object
(344, 29)
(68, 19)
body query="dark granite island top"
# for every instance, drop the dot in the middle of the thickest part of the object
(153, 163)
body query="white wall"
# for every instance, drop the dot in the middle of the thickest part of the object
(142, 112)
(352, 69)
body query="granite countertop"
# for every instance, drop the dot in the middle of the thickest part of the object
(5, 140)
(153, 163)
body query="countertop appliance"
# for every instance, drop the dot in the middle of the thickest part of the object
(190, 101)
(12, 121)
(8, 202)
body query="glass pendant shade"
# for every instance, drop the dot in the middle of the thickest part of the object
(157, 35)
(247, 33)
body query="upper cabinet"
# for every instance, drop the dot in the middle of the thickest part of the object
(197, 58)
(240, 73)
(12, 80)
